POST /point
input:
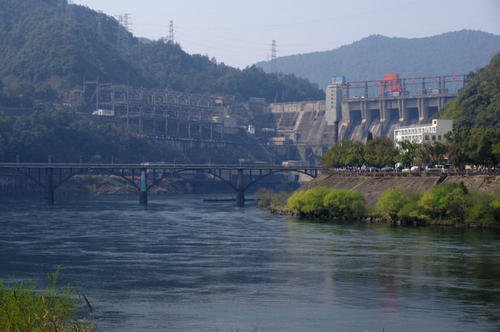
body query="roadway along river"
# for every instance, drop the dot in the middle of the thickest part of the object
(185, 265)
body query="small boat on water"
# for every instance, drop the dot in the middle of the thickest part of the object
(219, 199)
(224, 199)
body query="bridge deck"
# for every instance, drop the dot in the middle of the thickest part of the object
(158, 166)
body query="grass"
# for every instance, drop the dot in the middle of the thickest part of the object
(23, 307)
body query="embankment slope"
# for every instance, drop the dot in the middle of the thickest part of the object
(373, 186)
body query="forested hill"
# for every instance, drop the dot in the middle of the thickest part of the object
(478, 104)
(49, 46)
(450, 53)
(475, 138)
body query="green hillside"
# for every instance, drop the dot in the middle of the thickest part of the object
(457, 52)
(476, 115)
(49, 47)
(478, 104)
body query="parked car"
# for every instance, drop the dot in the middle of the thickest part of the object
(435, 169)
(387, 169)
(415, 169)
(370, 169)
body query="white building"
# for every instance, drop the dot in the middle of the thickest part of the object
(429, 133)
(102, 112)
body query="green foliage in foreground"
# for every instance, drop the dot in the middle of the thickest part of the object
(321, 202)
(24, 308)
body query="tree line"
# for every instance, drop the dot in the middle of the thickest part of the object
(478, 147)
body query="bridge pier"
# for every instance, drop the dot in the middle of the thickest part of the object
(240, 188)
(143, 187)
(49, 186)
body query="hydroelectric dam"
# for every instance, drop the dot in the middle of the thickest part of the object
(305, 130)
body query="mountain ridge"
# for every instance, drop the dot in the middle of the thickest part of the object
(455, 52)
(49, 47)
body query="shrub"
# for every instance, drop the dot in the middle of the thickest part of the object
(331, 203)
(269, 199)
(410, 212)
(344, 204)
(23, 308)
(313, 201)
(444, 201)
(390, 203)
(481, 208)
(264, 198)
(296, 201)
(495, 207)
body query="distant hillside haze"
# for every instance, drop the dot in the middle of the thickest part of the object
(48, 47)
(370, 58)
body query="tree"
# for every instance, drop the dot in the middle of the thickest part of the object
(380, 152)
(390, 203)
(423, 154)
(344, 204)
(437, 152)
(445, 201)
(481, 146)
(407, 153)
(458, 147)
(308, 202)
(344, 153)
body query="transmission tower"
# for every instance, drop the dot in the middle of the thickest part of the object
(171, 32)
(273, 56)
(99, 18)
(67, 19)
(123, 28)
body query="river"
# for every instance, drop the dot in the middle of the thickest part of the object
(185, 265)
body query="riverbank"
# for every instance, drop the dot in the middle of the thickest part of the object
(372, 187)
(459, 201)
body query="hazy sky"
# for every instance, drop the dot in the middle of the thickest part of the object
(239, 33)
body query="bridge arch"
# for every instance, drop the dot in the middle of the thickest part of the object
(51, 176)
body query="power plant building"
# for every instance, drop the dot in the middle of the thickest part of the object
(430, 133)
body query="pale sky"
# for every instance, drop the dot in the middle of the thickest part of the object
(240, 33)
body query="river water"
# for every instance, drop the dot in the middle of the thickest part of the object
(185, 265)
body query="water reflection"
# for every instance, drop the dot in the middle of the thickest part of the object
(396, 265)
